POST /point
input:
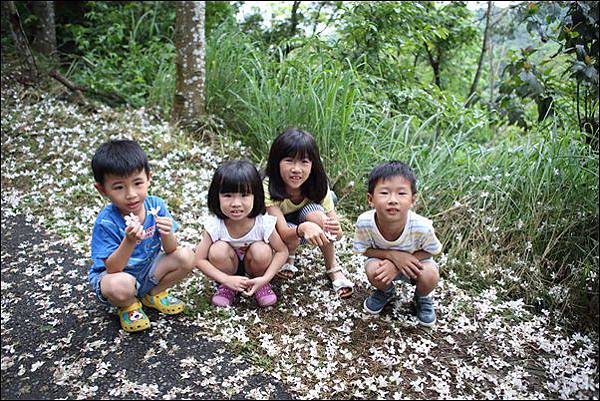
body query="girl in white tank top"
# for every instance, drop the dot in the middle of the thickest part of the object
(240, 248)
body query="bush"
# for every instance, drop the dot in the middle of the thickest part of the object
(514, 210)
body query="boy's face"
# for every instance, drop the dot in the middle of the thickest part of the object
(392, 198)
(126, 193)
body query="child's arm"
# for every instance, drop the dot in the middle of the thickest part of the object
(167, 236)
(405, 262)
(286, 233)
(117, 261)
(421, 254)
(279, 258)
(332, 225)
(237, 283)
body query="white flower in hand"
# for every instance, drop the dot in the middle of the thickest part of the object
(131, 219)
(329, 236)
(154, 211)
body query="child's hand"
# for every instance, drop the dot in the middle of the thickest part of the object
(254, 285)
(313, 233)
(134, 231)
(407, 264)
(386, 272)
(333, 227)
(237, 283)
(165, 225)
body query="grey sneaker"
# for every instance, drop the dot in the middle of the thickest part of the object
(425, 311)
(375, 302)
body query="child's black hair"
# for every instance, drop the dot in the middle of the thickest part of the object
(236, 176)
(296, 143)
(119, 157)
(391, 169)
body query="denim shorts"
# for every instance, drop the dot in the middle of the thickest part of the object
(294, 219)
(402, 276)
(145, 280)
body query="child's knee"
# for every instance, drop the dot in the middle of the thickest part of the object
(259, 254)
(371, 270)
(118, 287)
(430, 274)
(220, 253)
(185, 259)
(316, 217)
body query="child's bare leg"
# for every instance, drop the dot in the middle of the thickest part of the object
(258, 258)
(428, 279)
(172, 268)
(292, 244)
(223, 257)
(119, 289)
(371, 269)
(327, 249)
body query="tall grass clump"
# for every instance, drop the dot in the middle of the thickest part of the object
(516, 211)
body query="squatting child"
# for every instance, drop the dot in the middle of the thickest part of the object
(240, 240)
(297, 193)
(128, 263)
(398, 243)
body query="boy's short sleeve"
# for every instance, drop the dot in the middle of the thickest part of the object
(431, 243)
(105, 241)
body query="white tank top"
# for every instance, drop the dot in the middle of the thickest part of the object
(264, 224)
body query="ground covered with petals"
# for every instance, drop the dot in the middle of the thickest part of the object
(316, 345)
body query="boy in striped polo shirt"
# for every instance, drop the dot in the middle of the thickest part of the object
(398, 243)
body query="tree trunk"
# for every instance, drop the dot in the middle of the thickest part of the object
(435, 66)
(189, 100)
(21, 43)
(45, 38)
(492, 78)
(294, 19)
(484, 46)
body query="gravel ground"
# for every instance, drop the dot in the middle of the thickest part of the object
(58, 342)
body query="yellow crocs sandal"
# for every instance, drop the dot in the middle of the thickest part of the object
(133, 318)
(164, 302)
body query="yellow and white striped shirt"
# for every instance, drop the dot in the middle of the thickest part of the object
(418, 235)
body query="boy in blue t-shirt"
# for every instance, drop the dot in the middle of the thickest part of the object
(127, 239)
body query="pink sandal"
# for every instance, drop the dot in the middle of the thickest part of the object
(265, 296)
(224, 296)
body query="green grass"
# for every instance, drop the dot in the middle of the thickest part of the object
(514, 209)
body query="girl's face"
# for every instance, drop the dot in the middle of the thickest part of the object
(294, 171)
(236, 205)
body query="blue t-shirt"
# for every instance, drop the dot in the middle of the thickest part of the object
(109, 231)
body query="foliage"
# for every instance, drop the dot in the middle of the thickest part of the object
(303, 19)
(127, 49)
(217, 12)
(573, 26)
(515, 208)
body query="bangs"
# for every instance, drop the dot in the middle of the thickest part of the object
(236, 176)
(236, 182)
(301, 148)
